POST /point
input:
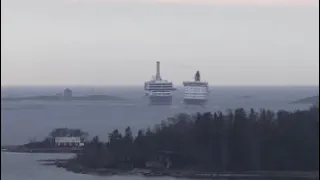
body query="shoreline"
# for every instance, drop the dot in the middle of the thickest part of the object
(182, 173)
(21, 149)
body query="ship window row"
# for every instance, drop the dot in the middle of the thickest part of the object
(157, 92)
(192, 94)
(190, 87)
(160, 90)
(150, 87)
(195, 86)
(196, 93)
(202, 89)
(196, 90)
(159, 86)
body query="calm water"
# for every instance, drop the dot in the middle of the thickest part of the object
(18, 166)
(24, 120)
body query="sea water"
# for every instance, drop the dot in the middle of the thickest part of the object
(25, 120)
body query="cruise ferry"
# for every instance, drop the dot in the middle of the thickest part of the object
(196, 92)
(159, 90)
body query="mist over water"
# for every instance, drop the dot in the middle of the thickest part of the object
(25, 120)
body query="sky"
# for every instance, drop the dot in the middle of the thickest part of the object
(108, 42)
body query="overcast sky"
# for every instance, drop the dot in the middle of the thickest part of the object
(100, 42)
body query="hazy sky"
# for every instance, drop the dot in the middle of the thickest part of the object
(100, 42)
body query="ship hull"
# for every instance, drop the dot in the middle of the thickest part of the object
(199, 102)
(160, 100)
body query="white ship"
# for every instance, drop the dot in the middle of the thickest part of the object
(159, 90)
(196, 92)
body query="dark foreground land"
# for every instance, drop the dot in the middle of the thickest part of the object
(250, 145)
(184, 173)
(236, 144)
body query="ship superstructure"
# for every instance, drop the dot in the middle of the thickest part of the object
(159, 90)
(196, 92)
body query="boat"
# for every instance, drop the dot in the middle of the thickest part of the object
(196, 92)
(158, 90)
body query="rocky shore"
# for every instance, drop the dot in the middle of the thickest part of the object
(71, 165)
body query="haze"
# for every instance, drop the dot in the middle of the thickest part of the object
(47, 42)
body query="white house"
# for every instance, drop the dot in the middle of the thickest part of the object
(68, 141)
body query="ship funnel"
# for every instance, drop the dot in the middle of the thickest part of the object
(197, 76)
(158, 77)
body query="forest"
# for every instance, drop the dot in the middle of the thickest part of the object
(236, 140)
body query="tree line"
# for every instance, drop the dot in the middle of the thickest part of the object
(233, 141)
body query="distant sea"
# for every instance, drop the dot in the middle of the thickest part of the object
(21, 121)
(25, 120)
